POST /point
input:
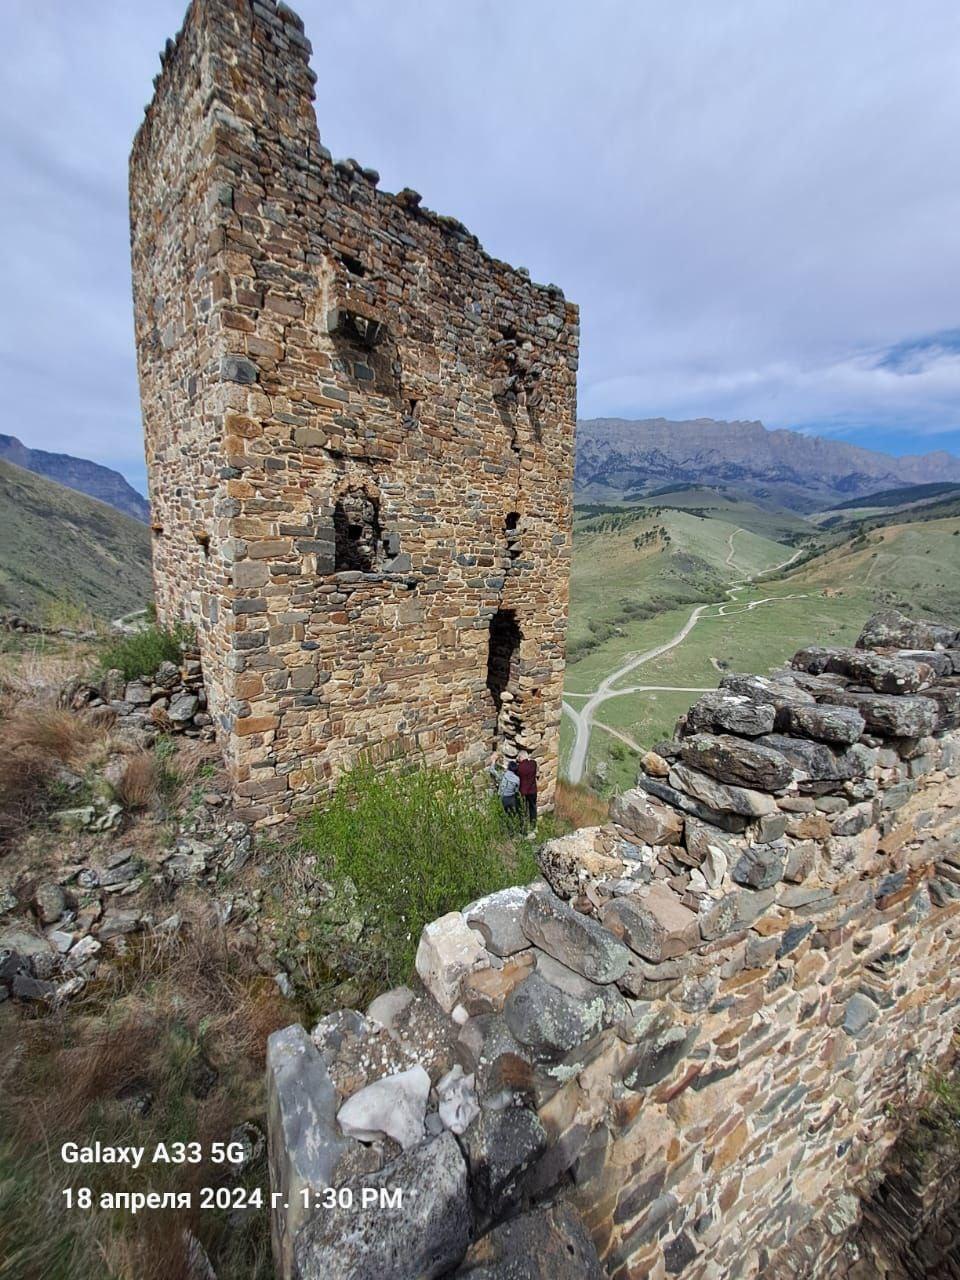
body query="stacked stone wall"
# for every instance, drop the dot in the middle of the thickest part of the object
(688, 1050)
(359, 432)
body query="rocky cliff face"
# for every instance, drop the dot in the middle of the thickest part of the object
(615, 456)
(689, 1050)
(80, 474)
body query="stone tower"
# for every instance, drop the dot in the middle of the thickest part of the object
(359, 434)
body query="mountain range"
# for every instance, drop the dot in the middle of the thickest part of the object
(79, 474)
(618, 459)
(61, 548)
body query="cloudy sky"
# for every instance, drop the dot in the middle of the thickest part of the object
(756, 203)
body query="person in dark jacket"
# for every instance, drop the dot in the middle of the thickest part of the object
(527, 769)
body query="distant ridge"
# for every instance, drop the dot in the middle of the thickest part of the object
(617, 457)
(60, 547)
(78, 473)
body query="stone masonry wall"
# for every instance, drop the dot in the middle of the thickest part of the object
(689, 1049)
(359, 434)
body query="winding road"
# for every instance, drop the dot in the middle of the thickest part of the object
(584, 719)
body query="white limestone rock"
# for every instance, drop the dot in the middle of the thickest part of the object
(458, 1100)
(449, 949)
(394, 1106)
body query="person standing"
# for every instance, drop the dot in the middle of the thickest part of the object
(527, 769)
(508, 786)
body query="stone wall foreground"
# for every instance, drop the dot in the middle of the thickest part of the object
(359, 434)
(689, 1049)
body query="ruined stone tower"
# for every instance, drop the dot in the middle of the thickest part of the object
(359, 434)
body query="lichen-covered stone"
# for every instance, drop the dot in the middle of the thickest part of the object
(653, 923)
(731, 760)
(497, 919)
(421, 1236)
(721, 796)
(551, 1022)
(572, 938)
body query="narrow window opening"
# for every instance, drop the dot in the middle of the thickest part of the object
(503, 654)
(356, 528)
(353, 265)
(511, 526)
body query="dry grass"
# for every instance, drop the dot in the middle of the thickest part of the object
(171, 1050)
(35, 740)
(138, 785)
(579, 806)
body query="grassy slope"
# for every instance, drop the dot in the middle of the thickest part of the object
(617, 584)
(913, 565)
(58, 546)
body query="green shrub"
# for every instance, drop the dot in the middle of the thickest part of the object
(414, 843)
(141, 653)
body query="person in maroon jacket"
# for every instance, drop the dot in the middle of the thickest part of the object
(527, 769)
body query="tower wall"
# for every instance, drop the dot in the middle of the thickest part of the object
(360, 434)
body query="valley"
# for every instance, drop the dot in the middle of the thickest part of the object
(670, 592)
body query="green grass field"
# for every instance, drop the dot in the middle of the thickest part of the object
(914, 566)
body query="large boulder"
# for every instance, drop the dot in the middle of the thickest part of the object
(884, 675)
(497, 919)
(778, 693)
(840, 725)
(731, 760)
(550, 1022)
(731, 713)
(890, 629)
(572, 938)
(887, 715)
(721, 796)
(651, 822)
(654, 924)
(569, 862)
(418, 1229)
(816, 760)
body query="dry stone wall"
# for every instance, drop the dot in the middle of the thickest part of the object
(359, 434)
(688, 1050)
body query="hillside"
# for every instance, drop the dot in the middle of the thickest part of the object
(79, 474)
(58, 546)
(619, 459)
(641, 573)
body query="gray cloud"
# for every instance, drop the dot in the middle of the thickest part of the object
(755, 203)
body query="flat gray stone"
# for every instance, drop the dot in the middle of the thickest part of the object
(731, 713)
(842, 725)
(889, 716)
(497, 919)
(761, 866)
(721, 796)
(742, 764)
(550, 1022)
(307, 1152)
(890, 629)
(817, 760)
(422, 1237)
(572, 938)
